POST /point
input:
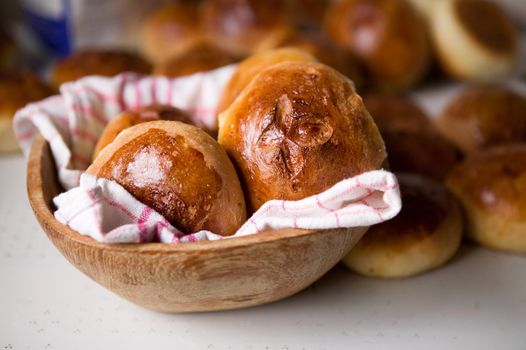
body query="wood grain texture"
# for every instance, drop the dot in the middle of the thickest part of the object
(201, 276)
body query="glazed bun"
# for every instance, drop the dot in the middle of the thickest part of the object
(170, 31)
(201, 57)
(390, 37)
(484, 116)
(16, 90)
(254, 64)
(135, 116)
(412, 142)
(491, 185)
(244, 27)
(319, 46)
(474, 39)
(178, 170)
(97, 62)
(297, 129)
(424, 235)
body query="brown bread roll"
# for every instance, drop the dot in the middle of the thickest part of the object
(390, 37)
(135, 116)
(244, 27)
(491, 185)
(170, 31)
(474, 39)
(297, 129)
(484, 116)
(424, 235)
(201, 57)
(97, 62)
(178, 170)
(412, 142)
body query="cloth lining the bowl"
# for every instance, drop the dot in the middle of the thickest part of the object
(103, 210)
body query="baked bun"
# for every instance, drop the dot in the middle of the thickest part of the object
(388, 35)
(484, 116)
(135, 116)
(244, 27)
(474, 39)
(297, 129)
(319, 46)
(97, 62)
(424, 235)
(17, 90)
(169, 31)
(491, 185)
(178, 170)
(254, 64)
(412, 142)
(201, 57)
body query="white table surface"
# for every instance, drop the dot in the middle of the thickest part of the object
(477, 301)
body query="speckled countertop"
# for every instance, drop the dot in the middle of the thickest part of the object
(477, 301)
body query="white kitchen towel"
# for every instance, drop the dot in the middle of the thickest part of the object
(105, 211)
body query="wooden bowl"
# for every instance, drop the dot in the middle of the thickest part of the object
(201, 276)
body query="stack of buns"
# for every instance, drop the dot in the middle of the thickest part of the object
(488, 124)
(428, 230)
(280, 138)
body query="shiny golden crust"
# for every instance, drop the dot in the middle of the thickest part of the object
(170, 31)
(97, 62)
(388, 35)
(178, 170)
(291, 126)
(254, 64)
(413, 145)
(201, 57)
(245, 26)
(424, 235)
(474, 39)
(17, 90)
(135, 116)
(491, 185)
(484, 116)
(319, 46)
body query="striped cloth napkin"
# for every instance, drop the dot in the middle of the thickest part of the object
(72, 121)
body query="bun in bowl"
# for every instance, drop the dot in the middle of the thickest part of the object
(297, 129)
(135, 116)
(178, 170)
